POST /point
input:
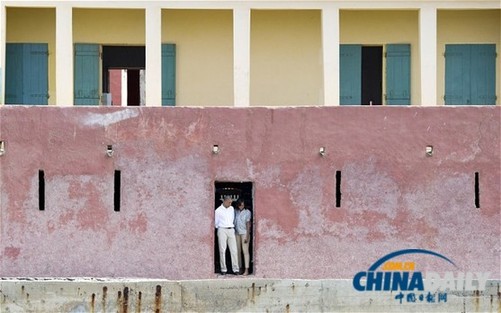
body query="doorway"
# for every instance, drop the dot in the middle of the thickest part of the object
(361, 74)
(372, 75)
(123, 74)
(126, 87)
(239, 190)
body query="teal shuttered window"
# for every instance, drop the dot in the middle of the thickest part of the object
(470, 74)
(398, 74)
(168, 74)
(86, 74)
(26, 74)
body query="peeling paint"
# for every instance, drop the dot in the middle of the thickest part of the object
(369, 189)
(12, 252)
(307, 198)
(393, 195)
(107, 119)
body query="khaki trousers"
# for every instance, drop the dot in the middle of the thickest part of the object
(243, 247)
(226, 238)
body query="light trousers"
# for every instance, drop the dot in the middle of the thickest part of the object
(226, 238)
(243, 247)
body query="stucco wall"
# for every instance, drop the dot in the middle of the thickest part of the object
(393, 195)
(109, 26)
(204, 55)
(286, 58)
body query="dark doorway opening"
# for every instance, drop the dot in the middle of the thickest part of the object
(372, 75)
(244, 189)
(133, 87)
(123, 70)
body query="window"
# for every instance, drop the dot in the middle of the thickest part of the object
(26, 76)
(470, 74)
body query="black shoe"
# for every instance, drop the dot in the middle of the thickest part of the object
(223, 273)
(236, 273)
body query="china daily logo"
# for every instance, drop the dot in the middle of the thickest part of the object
(411, 285)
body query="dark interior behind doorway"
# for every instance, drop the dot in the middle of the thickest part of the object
(131, 58)
(372, 75)
(247, 195)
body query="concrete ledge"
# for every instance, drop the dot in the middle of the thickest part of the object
(231, 294)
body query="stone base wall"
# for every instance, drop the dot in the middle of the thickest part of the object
(231, 294)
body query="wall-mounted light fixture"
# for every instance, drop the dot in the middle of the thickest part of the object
(109, 151)
(215, 149)
(429, 150)
(2, 147)
(321, 151)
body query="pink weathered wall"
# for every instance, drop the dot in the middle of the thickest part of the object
(116, 86)
(393, 195)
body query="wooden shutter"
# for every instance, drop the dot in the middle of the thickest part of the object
(26, 74)
(168, 74)
(470, 74)
(86, 74)
(36, 74)
(350, 74)
(14, 74)
(457, 74)
(483, 74)
(398, 74)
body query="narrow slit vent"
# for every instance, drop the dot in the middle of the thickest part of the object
(338, 189)
(116, 195)
(477, 190)
(41, 190)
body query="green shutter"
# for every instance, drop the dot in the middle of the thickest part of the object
(350, 74)
(26, 74)
(483, 74)
(168, 74)
(36, 74)
(398, 74)
(86, 74)
(14, 74)
(457, 74)
(470, 74)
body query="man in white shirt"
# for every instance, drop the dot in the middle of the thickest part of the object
(224, 217)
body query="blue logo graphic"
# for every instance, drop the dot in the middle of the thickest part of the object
(398, 276)
(407, 251)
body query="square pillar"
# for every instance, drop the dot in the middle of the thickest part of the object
(428, 55)
(330, 54)
(241, 57)
(3, 26)
(64, 55)
(153, 71)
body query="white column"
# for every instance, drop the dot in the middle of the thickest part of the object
(428, 55)
(241, 57)
(330, 53)
(3, 28)
(153, 71)
(123, 87)
(64, 55)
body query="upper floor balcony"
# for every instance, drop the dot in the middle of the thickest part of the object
(260, 53)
